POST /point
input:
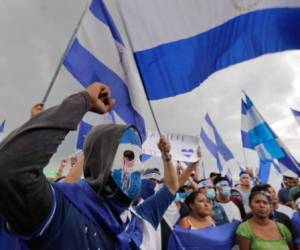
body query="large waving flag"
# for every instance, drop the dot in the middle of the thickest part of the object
(258, 135)
(99, 53)
(179, 44)
(216, 146)
(213, 238)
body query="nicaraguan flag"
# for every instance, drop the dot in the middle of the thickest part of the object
(212, 238)
(216, 146)
(179, 44)
(296, 114)
(259, 136)
(84, 129)
(98, 53)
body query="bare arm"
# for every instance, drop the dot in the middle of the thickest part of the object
(170, 174)
(76, 171)
(243, 243)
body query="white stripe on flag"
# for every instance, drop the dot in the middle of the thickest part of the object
(157, 22)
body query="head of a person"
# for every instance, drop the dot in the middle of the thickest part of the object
(260, 204)
(199, 204)
(244, 178)
(269, 190)
(150, 182)
(222, 187)
(236, 194)
(112, 160)
(207, 187)
(213, 175)
(291, 181)
(152, 174)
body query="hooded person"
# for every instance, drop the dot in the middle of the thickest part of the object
(94, 213)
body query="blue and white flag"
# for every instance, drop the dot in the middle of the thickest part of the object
(296, 114)
(270, 172)
(216, 146)
(213, 238)
(179, 44)
(260, 137)
(99, 53)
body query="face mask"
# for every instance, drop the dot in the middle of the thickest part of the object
(126, 166)
(225, 191)
(211, 193)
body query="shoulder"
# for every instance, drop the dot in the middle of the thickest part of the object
(285, 232)
(184, 222)
(244, 230)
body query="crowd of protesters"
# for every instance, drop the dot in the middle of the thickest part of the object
(117, 205)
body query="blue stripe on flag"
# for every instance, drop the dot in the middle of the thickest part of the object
(221, 147)
(100, 11)
(212, 148)
(289, 162)
(274, 149)
(87, 69)
(178, 67)
(264, 171)
(260, 134)
(84, 129)
(246, 140)
(244, 108)
(295, 112)
(2, 126)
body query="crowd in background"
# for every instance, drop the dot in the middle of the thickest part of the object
(268, 219)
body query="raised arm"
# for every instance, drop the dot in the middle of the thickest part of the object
(153, 208)
(26, 197)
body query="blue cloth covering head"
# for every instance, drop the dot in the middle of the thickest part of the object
(147, 188)
(109, 147)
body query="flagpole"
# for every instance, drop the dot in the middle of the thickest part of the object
(131, 47)
(65, 53)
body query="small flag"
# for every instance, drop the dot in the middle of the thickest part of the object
(84, 129)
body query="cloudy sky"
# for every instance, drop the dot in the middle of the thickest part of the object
(34, 34)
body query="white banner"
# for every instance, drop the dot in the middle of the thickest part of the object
(183, 147)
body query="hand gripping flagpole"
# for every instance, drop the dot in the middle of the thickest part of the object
(65, 53)
(131, 47)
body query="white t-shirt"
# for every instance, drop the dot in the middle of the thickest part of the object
(232, 211)
(286, 210)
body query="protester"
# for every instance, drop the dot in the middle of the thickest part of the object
(237, 198)
(245, 189)
(275, 214)
(219, 216)
(260, 232)
(201, 212)
(283, 193)
(223, 197)
(91, 214)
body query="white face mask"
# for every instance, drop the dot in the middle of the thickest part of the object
(126, 166)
